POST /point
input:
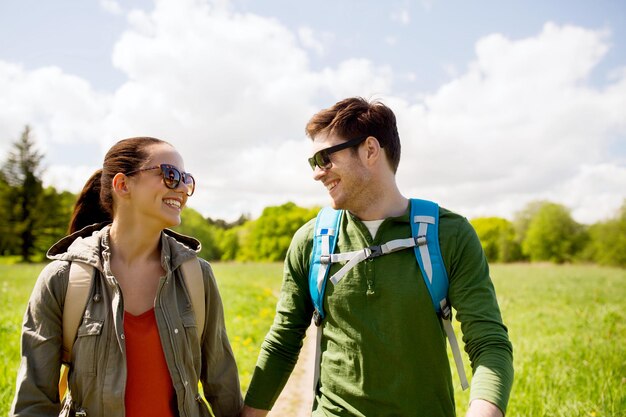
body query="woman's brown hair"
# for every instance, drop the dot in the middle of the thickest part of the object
(95, 201)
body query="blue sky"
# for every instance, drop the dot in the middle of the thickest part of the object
(499, 103)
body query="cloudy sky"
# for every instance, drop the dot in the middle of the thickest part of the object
(499, 103)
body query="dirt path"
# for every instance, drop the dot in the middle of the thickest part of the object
(297, 397)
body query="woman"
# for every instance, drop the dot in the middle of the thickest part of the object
(137, 351)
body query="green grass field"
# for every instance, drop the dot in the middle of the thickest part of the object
(567, 325)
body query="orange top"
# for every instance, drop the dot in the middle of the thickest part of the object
(149, 389)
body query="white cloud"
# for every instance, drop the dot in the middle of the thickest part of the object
(401, 16)
(264, 176)
(517, 126)
(63, 110)
(216, 77)
(233, 93)
(391, 40)
(450, 70)
(358, 77)
(111, 6)
(605, 180)
(309, 40)
(427, 4)
(69, 177)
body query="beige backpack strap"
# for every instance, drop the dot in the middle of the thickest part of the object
(76, 296)
(78, 286)
(192, 275)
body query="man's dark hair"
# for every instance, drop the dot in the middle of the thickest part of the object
(355, 117)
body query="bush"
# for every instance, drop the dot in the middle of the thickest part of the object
(497, 236)
(553, 235)
(268, 237)
(608, 241)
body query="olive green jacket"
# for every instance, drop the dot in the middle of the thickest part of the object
(97, 377)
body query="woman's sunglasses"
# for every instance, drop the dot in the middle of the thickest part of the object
(172, 177)
(322, 158)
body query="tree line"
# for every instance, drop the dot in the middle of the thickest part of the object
(546, 232)
(32, 218)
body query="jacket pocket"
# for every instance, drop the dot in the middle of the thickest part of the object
(86, 345)
(192, 335)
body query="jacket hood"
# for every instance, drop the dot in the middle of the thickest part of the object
(87, 244)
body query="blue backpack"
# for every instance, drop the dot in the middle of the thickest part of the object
(424, 241)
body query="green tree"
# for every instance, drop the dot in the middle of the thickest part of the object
(268, 237)
(522, 219)
(54, 225)
(229, 243)
(9, 242)
(497, 236)
(244, 234)
(608, 240)
(553, 235)
(22, 173)
(193, 224)
(224, 225)
(227, 237)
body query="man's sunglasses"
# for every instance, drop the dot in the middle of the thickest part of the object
(172, 177)
(322, 158)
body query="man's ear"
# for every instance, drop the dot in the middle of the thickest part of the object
(120, 185)
(373, 149)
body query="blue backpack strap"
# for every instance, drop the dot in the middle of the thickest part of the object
(324, 242)
(425, 229)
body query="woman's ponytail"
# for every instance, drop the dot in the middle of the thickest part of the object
(88, 209)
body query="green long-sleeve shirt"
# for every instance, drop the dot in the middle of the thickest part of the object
(383, 347)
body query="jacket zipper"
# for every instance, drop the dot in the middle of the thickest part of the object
(173, 341)
(114, 334)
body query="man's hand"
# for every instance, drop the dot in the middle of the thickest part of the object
(482, 408)
(253, 412)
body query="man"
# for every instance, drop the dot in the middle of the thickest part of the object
(383, 349)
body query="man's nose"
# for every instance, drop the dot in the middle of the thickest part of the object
(318, 173)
